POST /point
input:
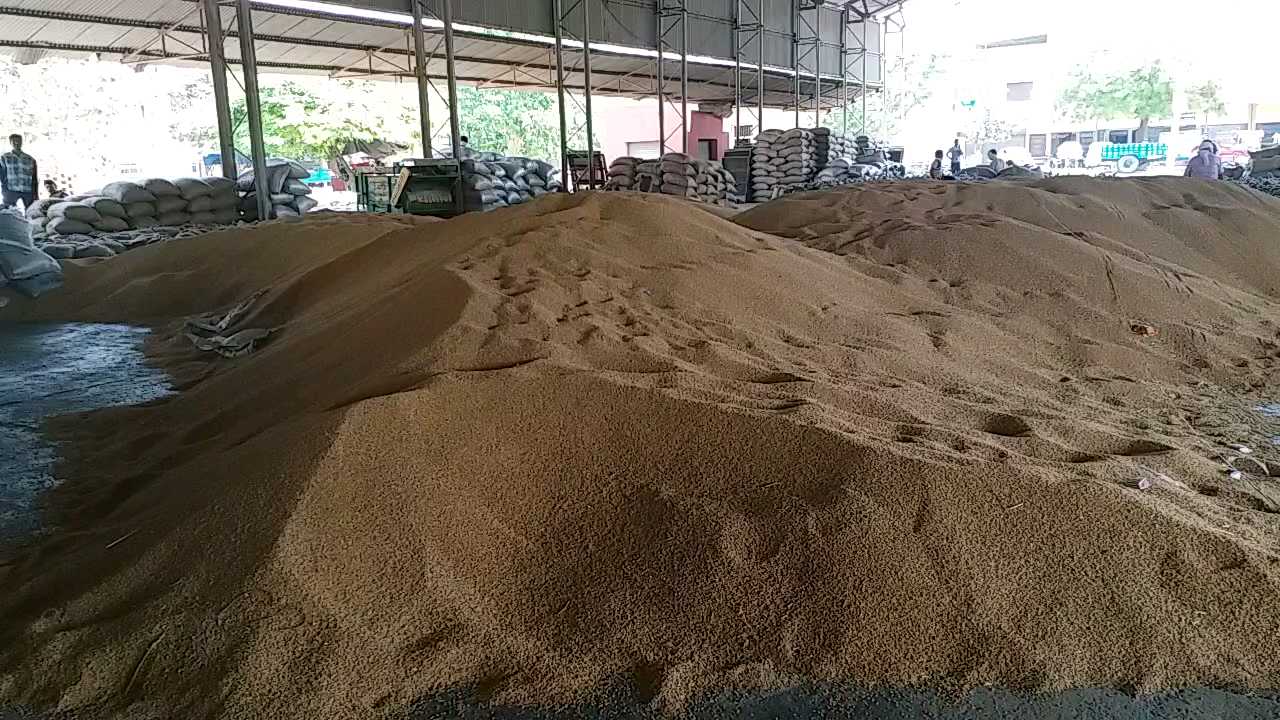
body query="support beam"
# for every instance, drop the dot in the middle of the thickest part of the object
(760, 67)
(420, 73)
(221, 100)
(662, 88)
(253, 108)
(673, 19)
(451, 73)
(586, 92)
(558, 22)
(864, 75)
(684, 76)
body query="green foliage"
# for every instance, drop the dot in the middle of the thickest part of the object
(1205, 101)
(1144, 93)
(907, 88)
(511, 122)
(297, 124)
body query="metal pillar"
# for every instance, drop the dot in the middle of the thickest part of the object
(795, 53)
(864, 76)
(844, 71)
(748, 27)
(560, 92)
(253, 108)
(221, 101)
(854, 64)
(455, 119)
(586, 92)
(760, 66)
(673, 16)
(807, 47)
(424, 81)
(660, 84)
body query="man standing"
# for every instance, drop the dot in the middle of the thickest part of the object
(18, 176)
(955, 153)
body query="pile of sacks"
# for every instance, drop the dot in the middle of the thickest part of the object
(673, 174)
(23, 266)
(1269, 184)
(869, 152)
(63, 247)
(829, 147)
(126, 205)
(491, 181)
(782, 159)
(290, 197)
(623, 172)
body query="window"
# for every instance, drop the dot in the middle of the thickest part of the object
(1037, 145)
(1119, 136)
(1019, 91)
(707, 150)
(645, 149)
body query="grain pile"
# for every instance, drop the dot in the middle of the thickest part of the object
(609, 445)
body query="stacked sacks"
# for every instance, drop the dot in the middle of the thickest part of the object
(622, 174)
(728, 186)
(543, 177)
(22, 265)
(648, 175)
(491, 181)
(169, 205)
(679, 175)
(289, 195)
(763, 156)
(829, 147)
(796, 158)
(484, 185)
(70, 218)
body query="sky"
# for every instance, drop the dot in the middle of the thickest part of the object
(1232, 43)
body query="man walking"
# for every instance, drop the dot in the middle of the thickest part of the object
(955, 153)
(18, 176)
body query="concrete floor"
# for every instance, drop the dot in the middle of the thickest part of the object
(50, 369)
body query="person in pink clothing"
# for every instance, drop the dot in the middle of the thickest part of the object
(1206, 164)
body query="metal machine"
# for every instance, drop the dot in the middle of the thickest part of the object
(418, 186)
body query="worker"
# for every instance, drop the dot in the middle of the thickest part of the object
(993, 156)
(956, 153)
(18, 176)
(935, 170)
(1206, 164)
(51, 190)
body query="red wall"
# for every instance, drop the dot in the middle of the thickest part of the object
(705, 126)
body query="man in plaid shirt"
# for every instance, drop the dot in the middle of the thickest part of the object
(18, 176)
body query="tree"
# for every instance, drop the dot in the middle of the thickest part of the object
(907, 87)
(512, 122)
(1204, 100)
(1144, 93)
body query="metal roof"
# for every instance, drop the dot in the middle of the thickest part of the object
(326, 40)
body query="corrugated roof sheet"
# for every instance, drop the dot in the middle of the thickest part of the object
(291, 40)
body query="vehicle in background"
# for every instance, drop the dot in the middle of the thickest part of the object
(1125, 158)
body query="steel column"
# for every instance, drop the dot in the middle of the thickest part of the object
(455, 115)
(817, 65)
(795, 53)
(864, 76)
(760, 67)
(420, 71)
(844, 70)
(253, 108)
(670, 14)
(684, 76)
(737, 70)
(662, 89)
(221, 100)
(564, 122)
(586, 90)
